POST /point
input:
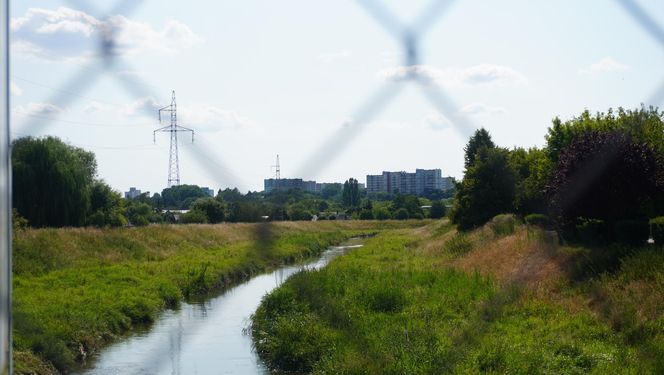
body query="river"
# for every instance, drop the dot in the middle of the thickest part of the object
(208, 337)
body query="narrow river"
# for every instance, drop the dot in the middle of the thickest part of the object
(203, 338)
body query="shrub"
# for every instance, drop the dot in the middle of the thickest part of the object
(366, 215)
(503, 225)
(437, 210)
(538, 220)
(401, 214)
(591, 231)
(458, 245)
(632, 232)
(193, 217)
(657, 226)
(382, 214)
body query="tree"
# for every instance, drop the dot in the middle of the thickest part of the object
(643, 125)
(481, 139)
(437, 210)
(487, 189)
(193, 217)
(140, 214)
(106, 206)
(533, 170)
(606, 176)
(51, 181)
(212, 207)
(401, 214)
(366, 214)
(182, 196)
(350, 195)
(331, 191)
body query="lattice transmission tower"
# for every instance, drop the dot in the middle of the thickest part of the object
(174, 129)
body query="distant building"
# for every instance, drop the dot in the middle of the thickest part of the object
(132, 193)
(285, 184)
(208, 191)
(408, 183)
(297, 183)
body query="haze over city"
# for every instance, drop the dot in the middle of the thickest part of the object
(256, 79)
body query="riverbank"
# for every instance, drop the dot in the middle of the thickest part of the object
(76, 290)
(496, 300)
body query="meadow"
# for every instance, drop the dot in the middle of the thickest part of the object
(78, 289)
(506, 298)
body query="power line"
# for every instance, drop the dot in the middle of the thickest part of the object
(92, 124)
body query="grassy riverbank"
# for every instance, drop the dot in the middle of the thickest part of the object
(76, 290)
(429, 300)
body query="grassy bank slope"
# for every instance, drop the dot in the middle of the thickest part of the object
(78, 289)
(429, 300)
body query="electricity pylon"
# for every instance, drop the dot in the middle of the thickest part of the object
(173, 128)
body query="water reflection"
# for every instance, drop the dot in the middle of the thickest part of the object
(205, 337)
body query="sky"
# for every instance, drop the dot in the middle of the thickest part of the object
(324, 84)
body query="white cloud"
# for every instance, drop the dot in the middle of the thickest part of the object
(481, 109)
(66, 33)
(205, 117)
(333, 56)
(200, 117)
(482, 74)
(436, 121)
(605, 65)
(40, 109)
(95, 107)
(15, 90)
(146, 106)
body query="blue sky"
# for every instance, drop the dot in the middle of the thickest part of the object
(256, 78)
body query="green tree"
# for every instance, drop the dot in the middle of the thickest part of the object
(51, 181)
(350, 195)
(106, 206)
(401, 214)
(212, 207)
(193, 217)
(533, 170)
(437, 210)
(481, 139)
(181, 197)
(140, 214)
(644, 125)
(487, 189)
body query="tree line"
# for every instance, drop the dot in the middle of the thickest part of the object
(56, 185)
(598, 177)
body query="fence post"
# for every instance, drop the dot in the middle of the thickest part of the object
(5, 197)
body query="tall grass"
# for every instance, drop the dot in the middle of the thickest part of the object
(397, 307)
(77, 289)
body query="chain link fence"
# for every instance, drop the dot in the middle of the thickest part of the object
(109, 61)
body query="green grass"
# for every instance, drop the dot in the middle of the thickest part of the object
(76, 290)
(397, 306)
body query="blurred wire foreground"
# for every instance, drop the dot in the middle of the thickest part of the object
(5, 196)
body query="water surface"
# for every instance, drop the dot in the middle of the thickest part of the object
(203, 338)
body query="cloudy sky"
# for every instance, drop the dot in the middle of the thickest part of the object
(324, 84)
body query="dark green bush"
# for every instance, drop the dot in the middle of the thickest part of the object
(591, 231)
(538, 220)
(401, 214)
(193, 217)
(657, 225)
(632, 232)
(366, 215)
